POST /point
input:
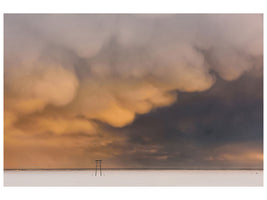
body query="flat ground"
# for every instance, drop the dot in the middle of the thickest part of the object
(134, 178)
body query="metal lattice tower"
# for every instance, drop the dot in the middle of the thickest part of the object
(98, 166)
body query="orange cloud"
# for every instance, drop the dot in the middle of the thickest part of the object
(84, 70)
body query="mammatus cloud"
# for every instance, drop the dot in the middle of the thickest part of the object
(64, 72)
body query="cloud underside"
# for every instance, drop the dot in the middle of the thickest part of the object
(73, 83)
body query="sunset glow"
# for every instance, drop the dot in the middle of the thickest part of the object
(137, 91)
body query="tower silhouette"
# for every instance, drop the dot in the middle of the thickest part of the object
(98, 166)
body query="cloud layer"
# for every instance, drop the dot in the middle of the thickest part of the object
(67, 74)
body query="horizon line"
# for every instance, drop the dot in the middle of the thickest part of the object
(162, 168)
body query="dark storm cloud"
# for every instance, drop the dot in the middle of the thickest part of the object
(198, 128)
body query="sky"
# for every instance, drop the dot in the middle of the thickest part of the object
(137, 91)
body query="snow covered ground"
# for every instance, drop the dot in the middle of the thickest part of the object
(134, 178)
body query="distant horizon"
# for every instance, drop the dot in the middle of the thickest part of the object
(140, 169)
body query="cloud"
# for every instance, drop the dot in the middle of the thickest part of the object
(159, 53)
(64, 73)
(203, 129)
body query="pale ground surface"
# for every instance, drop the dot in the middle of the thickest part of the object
(134, 178)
